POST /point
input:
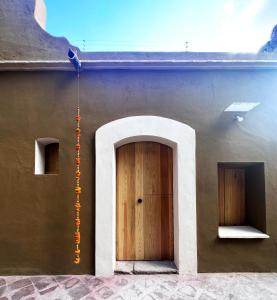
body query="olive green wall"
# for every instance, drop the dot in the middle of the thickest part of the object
(36, 213)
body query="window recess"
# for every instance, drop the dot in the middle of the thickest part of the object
(46, 156)
(241, 195)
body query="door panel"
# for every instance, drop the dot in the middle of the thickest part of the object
(144, 230)
(125, 209)
(231, 196)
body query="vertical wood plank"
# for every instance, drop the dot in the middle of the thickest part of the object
(119, 206)
(139, 220)
(167, 234)
(125, 202)
(229, 197)
(241, 192)
(152, 201)
(234, 196)
(221, 195)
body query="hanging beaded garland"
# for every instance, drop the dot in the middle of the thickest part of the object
(77, 235)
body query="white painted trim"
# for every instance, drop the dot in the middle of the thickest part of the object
(240, 232)
(181, 138)
(40, 144)
(141, 64)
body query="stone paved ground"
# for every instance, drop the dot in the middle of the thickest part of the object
(229, 286)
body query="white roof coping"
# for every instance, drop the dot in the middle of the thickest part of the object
(151, 64)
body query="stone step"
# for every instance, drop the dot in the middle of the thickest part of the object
(145, 267)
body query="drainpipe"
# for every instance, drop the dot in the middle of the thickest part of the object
(74, 60)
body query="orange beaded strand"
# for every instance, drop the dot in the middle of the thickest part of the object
(77, 221)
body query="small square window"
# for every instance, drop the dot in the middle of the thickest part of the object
(46, 156)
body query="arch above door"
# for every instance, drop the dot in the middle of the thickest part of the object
(181, 138)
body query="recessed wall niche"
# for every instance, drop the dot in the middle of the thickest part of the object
(241, 198)
(46, 156)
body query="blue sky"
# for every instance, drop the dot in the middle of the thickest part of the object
(163, 25)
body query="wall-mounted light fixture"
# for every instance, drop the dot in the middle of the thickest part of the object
(238, 118)
(239, 109)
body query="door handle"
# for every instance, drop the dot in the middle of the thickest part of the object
(139, 200)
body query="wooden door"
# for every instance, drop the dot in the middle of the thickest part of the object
(144, 210)
(231, 190)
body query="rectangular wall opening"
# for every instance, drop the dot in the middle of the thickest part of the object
(241, 198)
(46, 156)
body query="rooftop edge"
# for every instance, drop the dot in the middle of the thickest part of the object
(152, 64)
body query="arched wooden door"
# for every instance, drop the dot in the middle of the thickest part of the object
(144, 206)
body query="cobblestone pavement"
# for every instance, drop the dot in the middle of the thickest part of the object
(229, 286)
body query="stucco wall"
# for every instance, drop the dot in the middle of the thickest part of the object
(37, 211)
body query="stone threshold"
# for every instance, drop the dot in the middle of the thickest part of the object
(240, 232)
(145, 267)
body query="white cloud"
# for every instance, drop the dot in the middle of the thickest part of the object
(238, 31)
(229, 7)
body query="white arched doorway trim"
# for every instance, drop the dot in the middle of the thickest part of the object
(181, 138)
